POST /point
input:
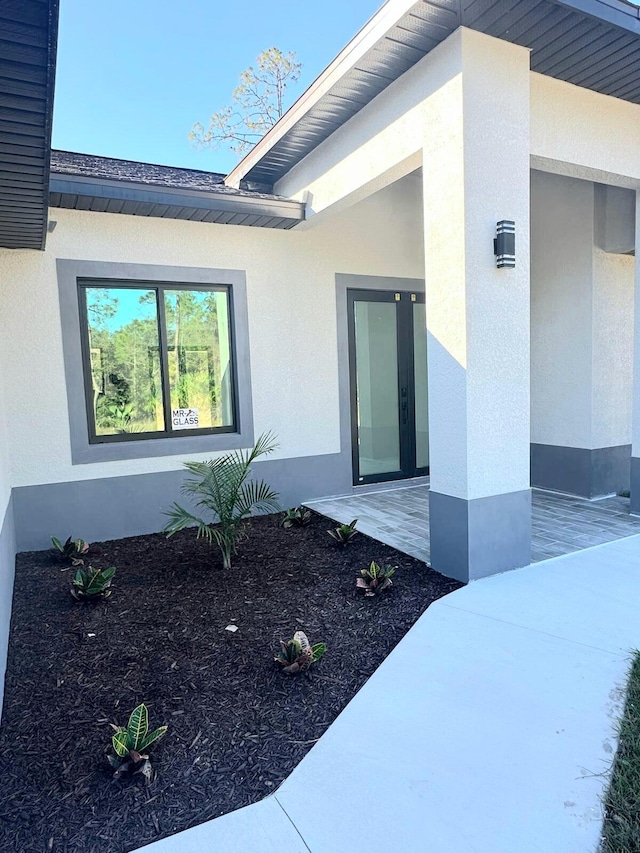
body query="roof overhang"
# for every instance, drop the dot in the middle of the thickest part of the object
(28, 40)
(115, 196)
(591, 43)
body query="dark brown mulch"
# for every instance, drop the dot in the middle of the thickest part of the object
(237, 724)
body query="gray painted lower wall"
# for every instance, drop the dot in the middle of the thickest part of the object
(578, 471)
(477, 538)
(634, 485)
(114, 507)
(7, 570)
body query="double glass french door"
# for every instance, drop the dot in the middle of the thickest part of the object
(389, 399)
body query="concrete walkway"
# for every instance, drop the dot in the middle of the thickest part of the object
(489, 729)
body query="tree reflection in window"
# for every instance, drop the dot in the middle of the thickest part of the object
(140, 373)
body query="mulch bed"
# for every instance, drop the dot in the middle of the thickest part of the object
(237, 725)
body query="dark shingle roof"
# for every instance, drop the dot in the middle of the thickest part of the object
(110, 185)
(131, 171)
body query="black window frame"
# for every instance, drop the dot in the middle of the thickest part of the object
(159, 287)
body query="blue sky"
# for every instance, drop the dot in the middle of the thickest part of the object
(134, 76)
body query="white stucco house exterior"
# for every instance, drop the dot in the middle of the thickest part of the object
(360, 313)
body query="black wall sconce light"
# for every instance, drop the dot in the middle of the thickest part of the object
(504, 245)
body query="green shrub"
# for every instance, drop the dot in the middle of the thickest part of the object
(344, 533)
(130, 744)
(298, 654)
(375, 579)
(72, 550)
(91, 584)
(224, 488)
(297, 516)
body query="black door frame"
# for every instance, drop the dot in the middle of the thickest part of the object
(404, 302)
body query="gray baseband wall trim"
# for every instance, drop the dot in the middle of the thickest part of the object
(578, 471)
(482, 537)
(114, 507)
(7, 569)
(634, 485)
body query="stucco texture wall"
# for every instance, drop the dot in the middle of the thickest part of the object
(292, 319)
(5, 416)
(6, 295)
(583, 134)
(613, 315)
(7, 537)
(581, 322)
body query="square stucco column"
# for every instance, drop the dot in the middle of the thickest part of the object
(475, 173)
(635, 428)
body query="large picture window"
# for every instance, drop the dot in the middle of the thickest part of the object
(157, 358)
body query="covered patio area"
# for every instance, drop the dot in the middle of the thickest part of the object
(561, 524)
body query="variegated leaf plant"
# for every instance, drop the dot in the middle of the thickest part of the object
(130, 744)
(298, 654)
(344, 533)
(90, 584)
(71, 550)
(375, 579)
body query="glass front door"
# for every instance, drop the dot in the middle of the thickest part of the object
(388, 368)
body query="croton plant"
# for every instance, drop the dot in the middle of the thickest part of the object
(298, 654)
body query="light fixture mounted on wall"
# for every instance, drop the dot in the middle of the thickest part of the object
(504, 245)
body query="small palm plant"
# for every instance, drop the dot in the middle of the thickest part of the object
(375, 579)
(223, 487)
(298, 654)
(344, 533)
(130, 744)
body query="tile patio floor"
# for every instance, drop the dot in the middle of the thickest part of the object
(561, 524)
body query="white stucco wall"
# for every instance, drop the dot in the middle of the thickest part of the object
(613, 324)
(635, 426)
(561, 310)
(5, 467)
(7, 540)
(291, 275)
(5, 478)
(292, 318)
(583, 134)
(581, 322)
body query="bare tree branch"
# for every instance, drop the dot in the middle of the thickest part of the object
(258, 103)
